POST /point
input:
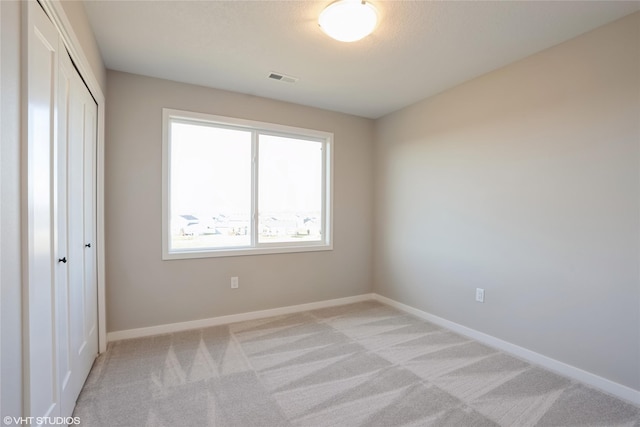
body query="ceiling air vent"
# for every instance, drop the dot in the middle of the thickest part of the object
(283, 77)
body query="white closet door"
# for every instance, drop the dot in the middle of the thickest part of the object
(90, 232)
(65, 367)
(41, 377)
(60, 331)
(83, 297)
(76, 285)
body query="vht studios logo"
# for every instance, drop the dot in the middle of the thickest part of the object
(47, 421)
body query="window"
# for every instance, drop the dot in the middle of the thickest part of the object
(238, 187)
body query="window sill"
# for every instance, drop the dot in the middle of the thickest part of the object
(209, 253)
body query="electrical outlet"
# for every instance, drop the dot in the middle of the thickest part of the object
(479, 294)
(234, 282)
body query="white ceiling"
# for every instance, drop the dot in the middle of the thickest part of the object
(420, 48)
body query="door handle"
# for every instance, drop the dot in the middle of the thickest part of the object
(62, 260)
(88, 245)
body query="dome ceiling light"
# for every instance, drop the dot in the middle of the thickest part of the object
(348, 20)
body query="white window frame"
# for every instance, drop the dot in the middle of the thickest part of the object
(256, 248)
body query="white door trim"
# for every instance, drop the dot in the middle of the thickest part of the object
(56, 13)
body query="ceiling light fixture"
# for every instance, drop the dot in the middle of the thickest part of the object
(348, 20)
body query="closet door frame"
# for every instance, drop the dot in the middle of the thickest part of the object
(55, 11)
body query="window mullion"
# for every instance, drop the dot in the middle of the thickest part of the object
(323, 194)
(254, 188)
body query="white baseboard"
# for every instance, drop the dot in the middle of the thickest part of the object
(608, 386)
(223, 320)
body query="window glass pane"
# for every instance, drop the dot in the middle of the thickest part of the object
(210, 187)
(289, 190)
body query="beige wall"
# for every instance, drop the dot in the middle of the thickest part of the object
(524, 182)
(143, 290)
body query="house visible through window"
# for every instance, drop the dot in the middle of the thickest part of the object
(237, 187)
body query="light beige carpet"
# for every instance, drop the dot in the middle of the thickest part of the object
(362, 364)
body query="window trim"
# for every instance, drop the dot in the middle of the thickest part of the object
(266, 128)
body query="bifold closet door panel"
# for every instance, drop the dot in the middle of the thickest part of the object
(41, 376)
(83, 301)
(76, 290)
(63, 355)
(89, 244)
